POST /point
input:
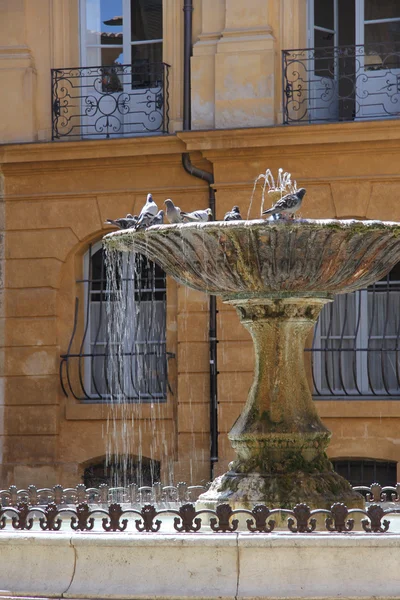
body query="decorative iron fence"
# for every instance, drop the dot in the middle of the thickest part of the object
(342, 83)
(106, 102)
(102, 495)
(157, 493)
(356, 346)
(186, 519)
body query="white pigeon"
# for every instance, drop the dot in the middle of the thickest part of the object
(197, 215)
(150, 209)
(173, 212)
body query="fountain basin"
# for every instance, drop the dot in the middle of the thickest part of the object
(248, 258)
(199, 566)
(278, 275)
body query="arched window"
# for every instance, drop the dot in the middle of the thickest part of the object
(143, 471)
(356, 346)
(139, 355)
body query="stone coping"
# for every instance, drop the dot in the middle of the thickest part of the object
(199, 566)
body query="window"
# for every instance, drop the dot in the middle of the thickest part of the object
(123, 32)
(356, 346)
(122, 357)
(366, 471)
(142, 472)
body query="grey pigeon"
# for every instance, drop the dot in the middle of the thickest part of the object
(124, 222)
(149, 210)
(233, 215)
(158, 219)
(287, 205)
(197, 215)
(173, 212)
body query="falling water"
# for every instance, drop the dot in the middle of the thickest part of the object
(136, 367)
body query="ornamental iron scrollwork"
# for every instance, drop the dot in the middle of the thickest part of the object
(21, 521)
(110, 101)
(112, 522)
(187, 521)
(305, 524)
(260, 513)
(83, 521)
(374, 522)
(337, 522)
(148, 514)
(341, 83)
(49, 521)
(222, 523)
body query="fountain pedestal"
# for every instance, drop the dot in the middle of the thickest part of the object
(279, 439)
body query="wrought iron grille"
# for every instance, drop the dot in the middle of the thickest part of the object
(92, 352)
(342, 83)
(356, 345)
(105, 102)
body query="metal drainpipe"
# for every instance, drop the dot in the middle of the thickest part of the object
(209, 177)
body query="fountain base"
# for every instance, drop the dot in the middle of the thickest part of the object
(244, 490)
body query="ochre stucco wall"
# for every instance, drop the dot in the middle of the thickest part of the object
(56, 200)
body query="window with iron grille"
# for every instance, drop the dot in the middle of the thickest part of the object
(137, 351)
(365, 471)
(355, 350)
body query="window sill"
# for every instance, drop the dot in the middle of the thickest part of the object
(355, 408)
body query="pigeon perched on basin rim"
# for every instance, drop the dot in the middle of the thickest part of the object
(173, 212)
(124, 222)
(158, 219)
(149, 210)
(233, 215)
(288, 204)
(197, 215)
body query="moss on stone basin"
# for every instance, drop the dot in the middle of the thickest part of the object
(269, 257)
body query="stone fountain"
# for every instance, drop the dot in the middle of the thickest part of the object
(278, 275)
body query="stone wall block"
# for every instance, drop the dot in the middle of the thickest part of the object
(31, 420)
(35, 302)
(30, 332)
(55, 243)
(193, 417)
(31, 361)
(33, 273)
(235, 356)
(193, 357)
(351, 199)
(50, 214)
(32, 390)
(192, 327)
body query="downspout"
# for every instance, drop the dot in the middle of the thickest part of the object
(209, 178)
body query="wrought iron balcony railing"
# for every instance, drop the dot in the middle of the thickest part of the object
(106, 102)
(343, 83)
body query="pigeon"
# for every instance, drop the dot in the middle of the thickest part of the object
(287, 205)
(158, 219)
(124, 222)
(197, 215)
(173, 212)
(149, 210)
(233, 215)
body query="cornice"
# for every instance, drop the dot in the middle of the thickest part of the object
(291, 136)
(91, 149)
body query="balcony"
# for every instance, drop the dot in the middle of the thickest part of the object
(343, 83)
(106, 102)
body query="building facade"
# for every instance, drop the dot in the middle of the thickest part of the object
(96, 111)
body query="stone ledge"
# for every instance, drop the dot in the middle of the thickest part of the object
(200, 566)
